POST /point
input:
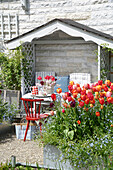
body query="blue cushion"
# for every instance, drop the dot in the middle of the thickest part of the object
(62, 82)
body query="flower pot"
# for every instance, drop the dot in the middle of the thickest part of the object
(48, 90)
(21, 128)
(53, 159)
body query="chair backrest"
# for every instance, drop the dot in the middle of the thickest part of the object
(42, 74)
(81, 78)
(30, 107)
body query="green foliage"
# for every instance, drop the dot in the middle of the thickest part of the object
(8, 166)
(7, 112)
(83, 133)
(81, 144)
(12, 65)
(104, 70)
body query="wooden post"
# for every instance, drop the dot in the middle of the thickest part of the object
(9, 26)
(99, 76)
(4, 96)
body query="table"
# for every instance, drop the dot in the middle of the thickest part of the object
(45, 103)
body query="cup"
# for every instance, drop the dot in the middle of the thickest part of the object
(34, 90)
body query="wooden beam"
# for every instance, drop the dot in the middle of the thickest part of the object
(99, 76)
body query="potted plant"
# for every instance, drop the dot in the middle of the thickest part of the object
(46, 86)
(82, 128)
(7, 115)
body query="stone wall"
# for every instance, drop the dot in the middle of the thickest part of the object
(97, 14)
(64, 55)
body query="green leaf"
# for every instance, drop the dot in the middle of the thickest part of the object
(75, 130)
(74, 125)
(71, 134)
(66, 131)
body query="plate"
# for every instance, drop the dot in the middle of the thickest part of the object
(41, 96)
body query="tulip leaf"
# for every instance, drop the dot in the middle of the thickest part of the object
(71, 134)
(66, 131)
(74, 125)
(75, 130)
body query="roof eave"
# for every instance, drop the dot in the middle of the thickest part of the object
(60, 24)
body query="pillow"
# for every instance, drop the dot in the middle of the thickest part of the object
(62, 82)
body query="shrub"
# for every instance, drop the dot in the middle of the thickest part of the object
(7, 112)
(12, 65)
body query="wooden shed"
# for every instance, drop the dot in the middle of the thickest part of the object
(64, 46)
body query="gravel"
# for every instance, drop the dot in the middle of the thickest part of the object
(28, 151)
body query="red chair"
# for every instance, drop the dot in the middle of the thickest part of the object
(31, 112)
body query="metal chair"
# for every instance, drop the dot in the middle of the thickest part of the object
(31, 112)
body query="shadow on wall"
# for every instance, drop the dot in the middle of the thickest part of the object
(2, 48)
(25, 4)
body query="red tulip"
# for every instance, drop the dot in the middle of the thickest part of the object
(69, 99)
(105, 88)
(75, 95)
(87, 101)
(97, 114)
(111, 87)
(110, 100)
(47, 77)
(87, 86)
(53, 96)
(81, 104)
(52, 78)
(83, 97)
(101, 100)
(83, 92)
(39, 78)
(70, 87)
(90, 96)
(79, 122)
(92, 101)
(68, 94)
(78, 89)
(63, 110)
(64, 96)
(100, 82)
(108, 83)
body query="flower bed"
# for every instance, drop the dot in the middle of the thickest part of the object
(83, 125)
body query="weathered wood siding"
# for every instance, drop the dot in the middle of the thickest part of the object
(64, 55)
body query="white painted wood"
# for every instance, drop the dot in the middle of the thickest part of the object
(61, 42)
(55, 26)
(35, 34)
(25, 85)
(88, 36)
(17, 27)
(80, 78)
(9, 26)
(2, 27)
(99, 62)
(7, 32)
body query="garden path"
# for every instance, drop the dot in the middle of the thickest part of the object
(29, 151)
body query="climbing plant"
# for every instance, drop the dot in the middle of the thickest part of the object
(104, 62)
(12, 65)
